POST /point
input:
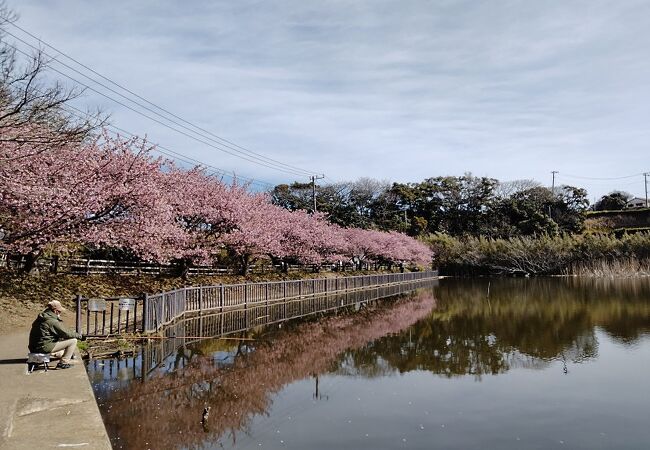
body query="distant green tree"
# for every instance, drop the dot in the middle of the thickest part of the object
(292, 196)
(455, 205)
(614, 201)
(526, 213)
(459, 206)
(568, 210)
(357, 204)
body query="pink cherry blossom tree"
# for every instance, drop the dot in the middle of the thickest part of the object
(254, 226)
(111, 193)
(107, 192)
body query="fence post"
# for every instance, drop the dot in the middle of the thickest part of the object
(221, 297)
(200, 299)
(78, 313)
(145, 313)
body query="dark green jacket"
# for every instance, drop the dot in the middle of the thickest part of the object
(47, 330)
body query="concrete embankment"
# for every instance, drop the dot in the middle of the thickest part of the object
(54, 409)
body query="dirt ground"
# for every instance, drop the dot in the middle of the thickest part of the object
(17, 317)
(20, 307)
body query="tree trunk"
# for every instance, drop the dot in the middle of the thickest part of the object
(244, 265)
(30, 263)
(54, 266)
(183, 268)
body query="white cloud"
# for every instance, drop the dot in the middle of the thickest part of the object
(386, 89)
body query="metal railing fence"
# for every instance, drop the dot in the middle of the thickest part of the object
(108, 316)
(228, 322)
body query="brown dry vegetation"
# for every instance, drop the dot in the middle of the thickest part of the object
(587, 254)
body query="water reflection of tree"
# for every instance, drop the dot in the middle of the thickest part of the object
(523, 323)
(165, 411)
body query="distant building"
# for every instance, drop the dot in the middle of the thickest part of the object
(636, 202)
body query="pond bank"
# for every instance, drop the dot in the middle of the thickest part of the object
(57, 407)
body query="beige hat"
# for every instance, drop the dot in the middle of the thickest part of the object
(55, 305)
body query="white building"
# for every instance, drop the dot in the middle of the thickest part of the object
(636, 202)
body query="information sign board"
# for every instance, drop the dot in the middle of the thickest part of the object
(127, 304)
(96, 304)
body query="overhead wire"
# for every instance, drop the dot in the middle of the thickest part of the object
(83, 115)
(188, 159)
(163, 124)
(155, 105)
(228, 147)
(230, 144)
(599, 178)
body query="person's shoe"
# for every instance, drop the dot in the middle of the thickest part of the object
(63, 366)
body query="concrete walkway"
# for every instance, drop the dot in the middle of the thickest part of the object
(43, 410)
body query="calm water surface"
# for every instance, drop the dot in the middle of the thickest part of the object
(537, 364)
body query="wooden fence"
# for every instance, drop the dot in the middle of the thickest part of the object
(115, 315)
(85, 266)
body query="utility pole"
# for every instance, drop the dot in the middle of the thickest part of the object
(553, 172)
(645, 182)
(313, 188)
(550, 208)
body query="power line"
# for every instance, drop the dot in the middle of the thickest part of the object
(257, 155)
(187, 159)
(600, 178)
(228, 147)
(165, 150)
(161, 123)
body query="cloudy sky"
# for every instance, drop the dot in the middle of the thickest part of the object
(396, 90)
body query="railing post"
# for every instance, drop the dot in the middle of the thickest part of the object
(78, 322)
(135, 316)
(221, 297)
(201, 299)
(145, 313)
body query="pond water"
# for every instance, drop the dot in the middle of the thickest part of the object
(499, 364)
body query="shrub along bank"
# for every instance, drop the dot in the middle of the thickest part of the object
(588, 254)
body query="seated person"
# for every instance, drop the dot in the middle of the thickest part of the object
(48, 335)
